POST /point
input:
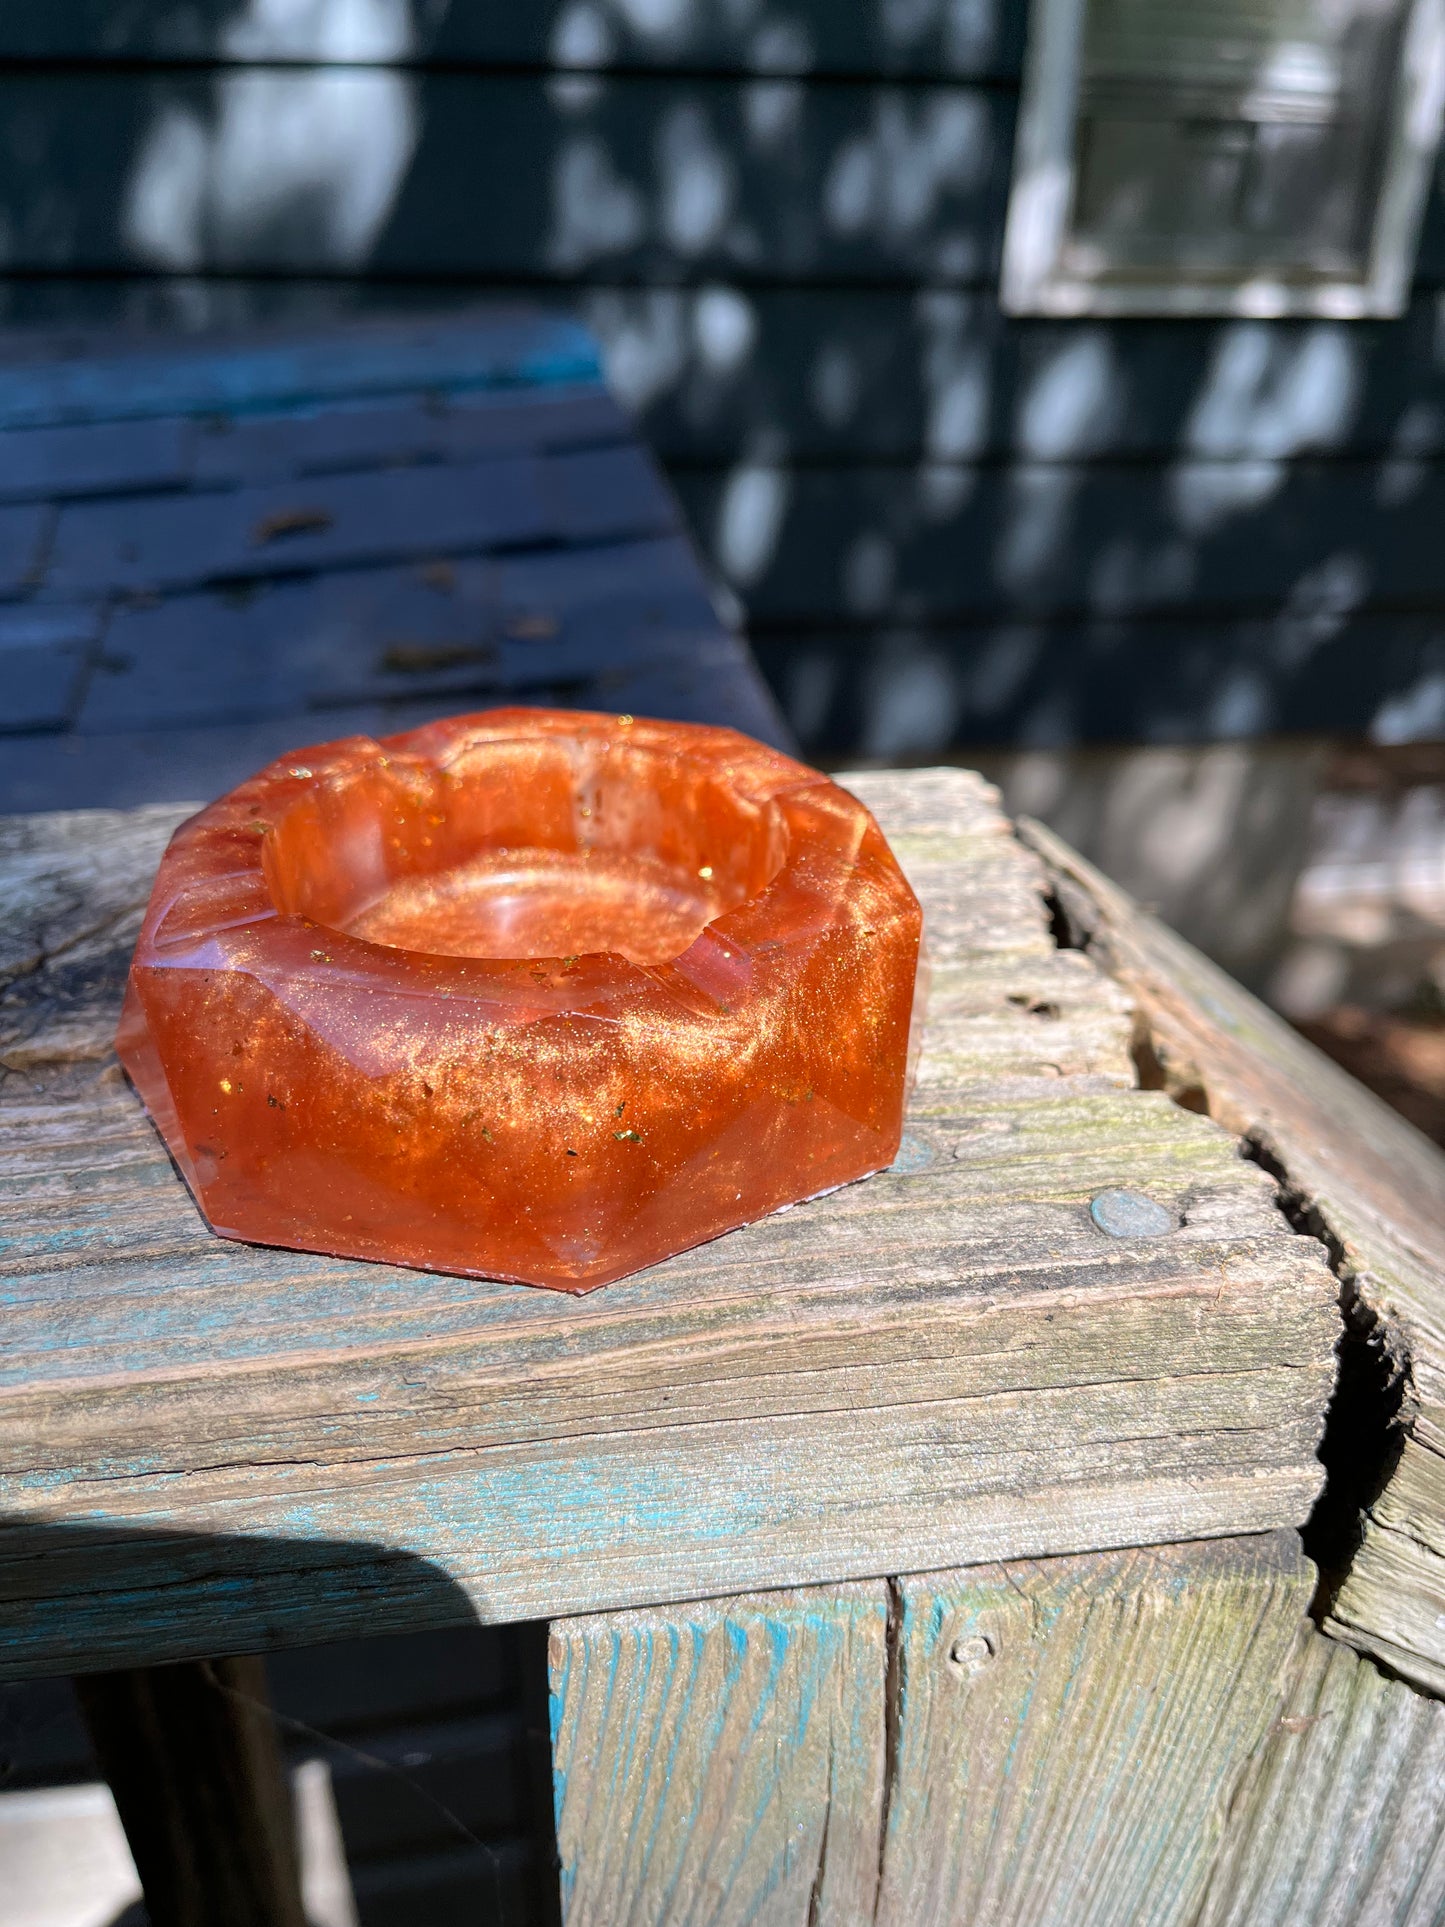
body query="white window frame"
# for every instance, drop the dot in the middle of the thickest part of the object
(1035, 280)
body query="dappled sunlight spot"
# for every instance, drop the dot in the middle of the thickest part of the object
(316, 159)
(1317, 608)
(1067, 408)
(1183, 809)
(660, 20)
(1206, 494)
(659, 342)
(1072, 401)
(1267, 397)
(1239, 705)
(911, 701)
(750, 519)
(644, 341)
(956, 424)
(889, 182)
(1417, 435)
(772, 111)
(1415, 715)
(868, 573)
(165, 198)
(724, 329)
(943, 489)
(1033, 540)
(835, 383)
(697, 182)
(1130, 575)
(581, 36)
(1273, 394)
(340, 30)
(302, 166)
(969, 28)
(1309, 979)
(594, 211)
(955, 373)
(782, 47)
(574, 93)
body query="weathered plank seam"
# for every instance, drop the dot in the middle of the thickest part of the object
(1368, 1320)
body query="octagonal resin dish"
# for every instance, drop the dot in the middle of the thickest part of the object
(534, 995)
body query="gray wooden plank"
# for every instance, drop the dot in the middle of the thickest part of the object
(947, 1364)
(24, 536)
(45, 464)
(863, 373)
(1340, 1818)
(722, 1762)
(1375, 1189)
(436, 426)
(626, 178)
(798, 178)
(100, 378)
(1306, 541)
(847, 375)
(900, 691)
(813, 37)
(441, 628)
(1069, 1731)
(687, 677)
(151, 543)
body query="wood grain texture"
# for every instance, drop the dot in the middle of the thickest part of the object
(1340, 1817)
(163, 542)
(722, 1762)
(1069, 1731)
(1370, 1184)
(456, 628)
(681, 674)
(946, 1364)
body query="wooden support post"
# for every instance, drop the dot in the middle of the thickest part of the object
(722, 1762)
(1069, 1731)
(192, 1758)
(1048, 1743)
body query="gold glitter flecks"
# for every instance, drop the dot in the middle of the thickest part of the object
(518, 975)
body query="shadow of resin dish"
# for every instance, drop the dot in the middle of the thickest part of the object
(533, 994)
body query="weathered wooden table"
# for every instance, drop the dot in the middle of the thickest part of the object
(927, 1553)
(213, 549)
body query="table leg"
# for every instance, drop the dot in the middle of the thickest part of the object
(193, 1760)
(722, 1761)
(1050, 1743)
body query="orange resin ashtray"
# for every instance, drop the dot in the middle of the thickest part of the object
(533, 995)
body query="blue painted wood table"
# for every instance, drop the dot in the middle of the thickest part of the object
(212, 551)
(924, 1554)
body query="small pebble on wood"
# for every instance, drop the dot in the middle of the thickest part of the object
(1128, 1214)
